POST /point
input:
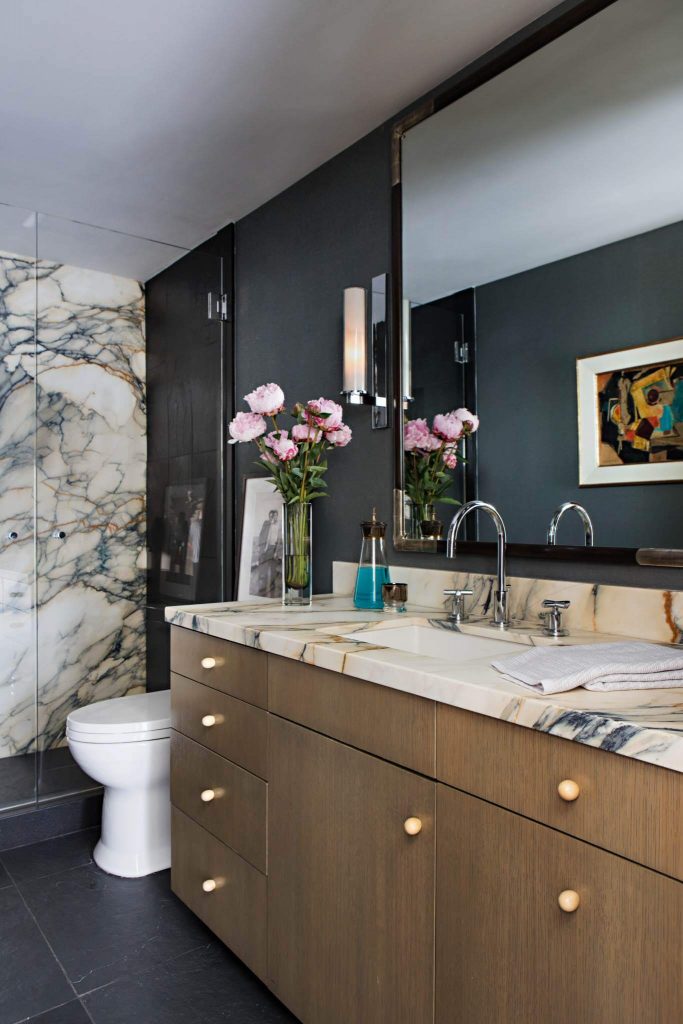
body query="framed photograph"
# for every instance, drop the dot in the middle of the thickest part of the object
(260, 561)
(630, 410)
(183, 524)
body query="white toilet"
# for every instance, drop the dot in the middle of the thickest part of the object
(124, 744)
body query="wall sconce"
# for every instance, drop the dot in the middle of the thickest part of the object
(355, 356)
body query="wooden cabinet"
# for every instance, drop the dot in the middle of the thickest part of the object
(351, 893)
(334, 884)
(507, 952)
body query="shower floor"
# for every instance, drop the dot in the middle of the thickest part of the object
(47, 776)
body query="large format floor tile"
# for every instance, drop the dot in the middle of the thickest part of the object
(102, 928)
(205, 986)
(4, 877)
(68, 1013)
(30, 977)
(50, 856)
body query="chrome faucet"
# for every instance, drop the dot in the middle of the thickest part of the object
(501, 615)
(583, 516)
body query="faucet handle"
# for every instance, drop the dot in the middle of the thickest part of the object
(458, 612)
(553, 617)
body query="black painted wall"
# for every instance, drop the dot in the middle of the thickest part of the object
(189, 394)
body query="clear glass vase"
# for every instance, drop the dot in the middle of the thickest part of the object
(297, 562)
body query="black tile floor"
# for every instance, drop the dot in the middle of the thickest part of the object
(78, 946)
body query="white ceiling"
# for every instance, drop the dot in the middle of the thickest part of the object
(579, 145)
(170, 118)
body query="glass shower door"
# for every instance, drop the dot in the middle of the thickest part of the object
(18, 715)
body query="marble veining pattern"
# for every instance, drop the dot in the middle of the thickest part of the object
(72, 404)
(647, 725)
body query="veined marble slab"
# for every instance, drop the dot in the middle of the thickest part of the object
(644, 724)
(647, 614)
(72, 457)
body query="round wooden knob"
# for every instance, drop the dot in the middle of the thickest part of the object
(568, 900)
(208, 721)
(209, 885)
(208, 795)
(568, 790)
(208, 662)
(412, 826)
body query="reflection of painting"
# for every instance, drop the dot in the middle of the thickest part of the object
(183, 519)
(635, 400)
(260, 572)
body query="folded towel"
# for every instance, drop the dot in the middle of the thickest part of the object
(616, 666)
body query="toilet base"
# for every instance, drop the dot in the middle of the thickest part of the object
(123, 865)
(136, 831)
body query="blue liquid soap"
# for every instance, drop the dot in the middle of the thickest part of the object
(369, 582)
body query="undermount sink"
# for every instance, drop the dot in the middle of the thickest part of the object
(432, 642)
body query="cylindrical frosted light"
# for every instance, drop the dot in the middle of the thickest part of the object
(355, 350)
(406, 351)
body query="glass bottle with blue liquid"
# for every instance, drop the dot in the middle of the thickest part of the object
(373, 570)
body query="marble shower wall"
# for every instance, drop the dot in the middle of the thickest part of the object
(72, 403)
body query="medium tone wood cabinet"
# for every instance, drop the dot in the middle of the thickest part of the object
(351, 893)
(377, 858)
(508, 952)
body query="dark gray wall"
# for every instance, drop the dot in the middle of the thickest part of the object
(295, 255)
(530, 329)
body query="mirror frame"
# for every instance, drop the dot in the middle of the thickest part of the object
(537, 35)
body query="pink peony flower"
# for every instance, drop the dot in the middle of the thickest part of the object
(450, 458)
(340, 437)
(469, 421)
(246, 426)
(306, 432)
(267, 400)
(268, 458)
(275, 435)
(285, 449)
(448, 426)
(332, 413)
(418, 437)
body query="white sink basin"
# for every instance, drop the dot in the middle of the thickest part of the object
(432, 642)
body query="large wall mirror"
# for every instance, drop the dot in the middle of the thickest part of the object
(539, 276)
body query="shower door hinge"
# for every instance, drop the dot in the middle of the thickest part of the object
(462, 352)
(219, 307)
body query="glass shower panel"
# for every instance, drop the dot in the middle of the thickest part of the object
(91, 453)
(17, 508)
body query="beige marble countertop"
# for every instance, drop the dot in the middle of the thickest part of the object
(643, 724)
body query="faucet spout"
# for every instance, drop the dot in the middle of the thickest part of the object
(581, 512)
(501, 615)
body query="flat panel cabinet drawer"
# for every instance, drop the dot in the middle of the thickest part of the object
(610, 951)
(394, 725)
(232, 668)
(226, 800)
(222, 889)
(230, 727)
(621, 804)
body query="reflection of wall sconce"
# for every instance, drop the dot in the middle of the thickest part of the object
(355, 362)
(406, 352)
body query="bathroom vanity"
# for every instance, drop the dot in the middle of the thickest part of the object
(377, 851)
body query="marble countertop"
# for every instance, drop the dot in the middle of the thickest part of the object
(643, 724)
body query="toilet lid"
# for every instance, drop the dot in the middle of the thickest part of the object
(140, 713)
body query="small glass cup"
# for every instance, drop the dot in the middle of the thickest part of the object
(394, 596)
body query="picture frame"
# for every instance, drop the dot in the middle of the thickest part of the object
(184, 510)
(630, 415)
(259, 576)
